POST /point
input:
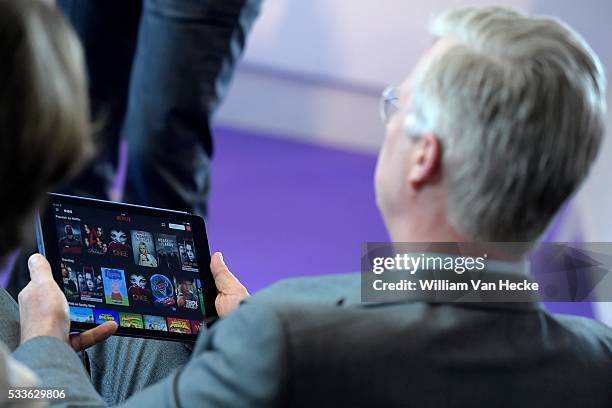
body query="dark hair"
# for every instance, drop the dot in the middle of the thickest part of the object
(45, 131)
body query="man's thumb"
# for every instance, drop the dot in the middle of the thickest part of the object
(224, 279)
(39, 267)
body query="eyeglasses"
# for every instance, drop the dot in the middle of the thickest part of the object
(389, 103)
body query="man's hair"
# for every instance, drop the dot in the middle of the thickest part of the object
(519, 105)
(44, 110)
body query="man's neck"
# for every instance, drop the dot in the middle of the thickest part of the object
(431, 231)
(422, 231)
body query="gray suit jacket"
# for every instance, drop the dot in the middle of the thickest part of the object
(309, 343)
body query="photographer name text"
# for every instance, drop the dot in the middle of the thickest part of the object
(448, 285)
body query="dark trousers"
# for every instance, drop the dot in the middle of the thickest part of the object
(158, 69)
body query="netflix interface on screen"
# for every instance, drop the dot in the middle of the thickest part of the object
(139, 271)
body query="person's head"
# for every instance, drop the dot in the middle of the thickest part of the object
(495, 128)
(186, 287)
(189, 252)
(44, 110)
(138, 280)
(118, 236)
(142, 247)
(68, 231)
(89, 281)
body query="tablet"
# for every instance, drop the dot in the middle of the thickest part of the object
(148, 269)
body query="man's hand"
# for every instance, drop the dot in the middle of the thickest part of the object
(230, 292)
(44, 311)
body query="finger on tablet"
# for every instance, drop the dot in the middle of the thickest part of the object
(91, 337)
(40, 270)
(224, 279)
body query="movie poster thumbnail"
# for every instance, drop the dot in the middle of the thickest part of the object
(167, 252)
(201, 296)
(187, 253)
(178, 325)
(131, 320)
(69, 233)
(143, 249)
(155, 323)
(70, 279)
(196, 325)
(103, 316)
(118, 244)
(81, 314)
(186, 291)
(90, 284)
(95, 239)
(139, 289)
(163, 292)
(115, 290)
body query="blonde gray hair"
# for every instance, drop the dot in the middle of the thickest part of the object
(519, 105)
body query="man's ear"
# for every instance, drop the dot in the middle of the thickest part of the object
(426, 158)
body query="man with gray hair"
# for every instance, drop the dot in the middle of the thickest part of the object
(496, 127)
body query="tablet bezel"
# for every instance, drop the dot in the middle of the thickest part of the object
(46, 235)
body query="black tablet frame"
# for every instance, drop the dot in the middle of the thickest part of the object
(47, 239)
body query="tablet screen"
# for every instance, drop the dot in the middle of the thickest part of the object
(139, 269)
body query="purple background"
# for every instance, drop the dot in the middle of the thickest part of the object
(280, 209)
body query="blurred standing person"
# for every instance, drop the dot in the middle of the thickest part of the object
(158, 70)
